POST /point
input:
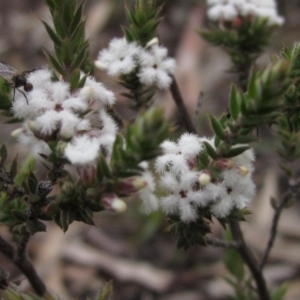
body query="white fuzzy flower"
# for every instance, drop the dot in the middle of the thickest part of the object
(189, 145)
(99, 92)
(55, 112)
(179, 178)
(228, 10)
(108, 131)
(119, 58)
(82, 150)
(155, 67)
(150, 201)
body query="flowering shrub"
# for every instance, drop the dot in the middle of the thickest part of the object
(69, 122)
(228, 10)
(189, 187)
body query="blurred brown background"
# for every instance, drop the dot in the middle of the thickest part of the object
(130, 249)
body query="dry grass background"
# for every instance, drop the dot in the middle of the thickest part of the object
(131, 249)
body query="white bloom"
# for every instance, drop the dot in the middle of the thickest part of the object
(179, 177)
(169, 147)
(223, 207)
(189, 145)
(26, 137)
(99, 92)
(108, 131)
(82, 150)
(54, 111)
(155, 67)
(150, 201)
(119, 58)
(227, 10)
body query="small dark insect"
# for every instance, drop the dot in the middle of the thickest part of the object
(16, 80)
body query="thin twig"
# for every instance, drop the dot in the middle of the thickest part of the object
(293, 185)
(220, 243)
(21, 247)
(25, 266)
(182, 110)
(250, 260)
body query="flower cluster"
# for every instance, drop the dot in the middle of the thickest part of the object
(188, 188)
(228, 10)
(151, 64)
(76, 120)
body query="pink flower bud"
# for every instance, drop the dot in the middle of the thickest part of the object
(87, 173)
(130, 186)
(224, 164)
(237, 22)
(113, 203)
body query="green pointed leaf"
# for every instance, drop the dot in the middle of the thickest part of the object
(280, 293)
(54, 37)
(14, 167)
(3, 154)
(64, 220)
(234, 264)
(71, 214)
(32, 182)
(106, 292)
(74, 79)
(55, 64)
(210, 150)
(217, 128)
(235, 101)
(81, 56)
(104, 168)
(19, 215)
(34, 225)
(77, 17)
(245, 139)
(66, 52)
(235, 151)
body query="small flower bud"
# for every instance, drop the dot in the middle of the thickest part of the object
(17, 132)
(237, 22)
(204, 178)
(87, 173)
(113, 203)
(224, 164)
(100, 65)
(152, 42)
(60, 148)
(67, 188)
(86, 93)
(32, 126)
(66, 133)
(242, 170)
(130, 186)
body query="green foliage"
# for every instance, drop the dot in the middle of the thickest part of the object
(11, 294)
(139, 95)
(244, 42)
(5, 96)
(288, 125)
(241, 284)
(189, 234)
(260, 104)
(71, 48)
(280, 292)
(142, 22)
(106, 292)
(141, 142)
